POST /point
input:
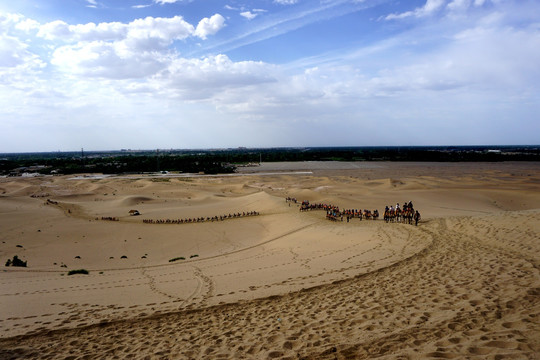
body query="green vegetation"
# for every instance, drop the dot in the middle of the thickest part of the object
(177, 258)
(112, 163)
(79, 271)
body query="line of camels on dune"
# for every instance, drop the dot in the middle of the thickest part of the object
(201, 219)
(400, 214)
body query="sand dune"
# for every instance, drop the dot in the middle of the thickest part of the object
(284, 284)
(135, 200)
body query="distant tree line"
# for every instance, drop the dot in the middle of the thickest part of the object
(225, 161)
(119, 164)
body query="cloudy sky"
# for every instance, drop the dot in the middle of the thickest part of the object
(147, 74)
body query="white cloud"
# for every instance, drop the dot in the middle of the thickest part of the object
(432, 6)
(9, 20)
(14, 53)
(107, 60)
(19, 67)
(248, 15)
(164, 30)
(27, 25)
(161, 2)
(209, 26)
(286, 2)
(122, 50)
(54, 29)
(152, 33)
(459, 5)
(429, 8)
(140, 6)
(91, 32)
(92, 3)
(208, 77)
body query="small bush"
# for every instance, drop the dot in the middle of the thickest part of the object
(193, 256)
(123, 257)
(177, 258)
(16, 262)
(78, 271)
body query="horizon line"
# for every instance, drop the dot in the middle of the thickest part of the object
(270, 148)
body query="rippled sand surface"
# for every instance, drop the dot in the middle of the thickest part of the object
(282, 284)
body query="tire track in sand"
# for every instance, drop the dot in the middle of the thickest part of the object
(204, 290)
(153, 286)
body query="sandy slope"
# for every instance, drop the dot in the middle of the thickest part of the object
(284, 284)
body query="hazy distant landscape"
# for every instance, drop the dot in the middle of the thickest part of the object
(229, 160)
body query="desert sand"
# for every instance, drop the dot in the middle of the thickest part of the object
(283, 284)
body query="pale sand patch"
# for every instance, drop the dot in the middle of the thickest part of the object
(283, 284)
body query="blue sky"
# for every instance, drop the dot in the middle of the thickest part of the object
(146, 74)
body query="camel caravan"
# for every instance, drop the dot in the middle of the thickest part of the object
(405, 214)
(334, 213)
(109, 218)
(201, 219)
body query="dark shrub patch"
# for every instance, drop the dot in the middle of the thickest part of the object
(79, 271)
(16, 262)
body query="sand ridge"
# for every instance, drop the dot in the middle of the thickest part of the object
(285, 284)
